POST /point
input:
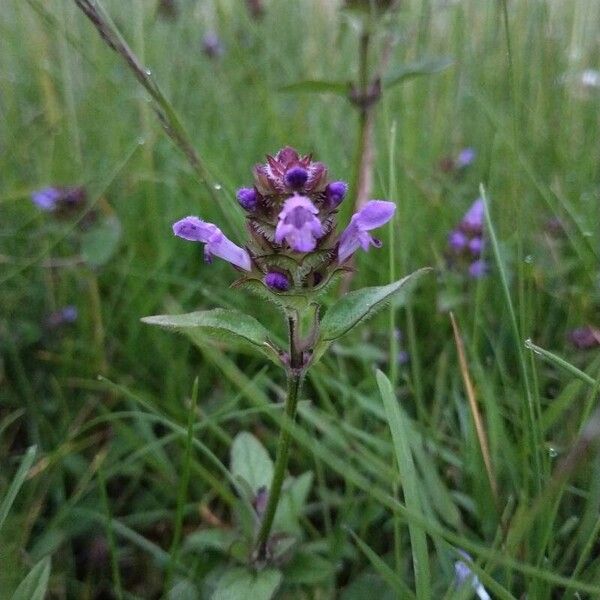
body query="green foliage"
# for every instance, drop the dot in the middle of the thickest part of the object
(17, 481)
(356, 307)
(73, 114)
(35, 585)
(316, 86)
(426, 66)
(100, 243)
(239, 584)
(250, 462)
(228, 326)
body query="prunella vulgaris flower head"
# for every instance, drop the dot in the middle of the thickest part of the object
(466, 243)
(59, 199)
(291, 213)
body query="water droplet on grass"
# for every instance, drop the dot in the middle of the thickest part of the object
(552, 452)
(218, 186)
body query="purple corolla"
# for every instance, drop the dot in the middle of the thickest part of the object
(298, 224)
(372, 215)
(216, 242)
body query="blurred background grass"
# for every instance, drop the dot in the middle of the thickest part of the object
(72, 114)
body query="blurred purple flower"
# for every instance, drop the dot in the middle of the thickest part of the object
(457, 240)
(47, 198)
(478, 269)
(465, 157)
(476, 245)
(63, 316)
(212, 46)
(373, 214)
(277, 281)
(59, 199)
(298, 224)
(217, 244)
(466, 242)
(584, 338)
(474, 218)
(403, 357)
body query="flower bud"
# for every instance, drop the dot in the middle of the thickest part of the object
(248, 198)
(277, 281)
(336, 191)
(296, 177)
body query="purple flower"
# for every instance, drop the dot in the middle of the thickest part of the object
(247, 197)
(465, 157)
(476, 245)
(585, 337)
(63, 316)
(474, 218)
(212, 46)
(373, 214)
(336, 191)
(296, 177)
(277, 281)
(478, 269)
(298, 224)
(217, 244)
(457, 240)
(47, 199)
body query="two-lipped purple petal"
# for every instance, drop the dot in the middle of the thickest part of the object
(216, 242)
(298, 224)
(373, 214)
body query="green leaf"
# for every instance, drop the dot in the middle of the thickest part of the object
(99, 244)
(241, 584)
(308, 568)
(410, 484)
(218, 539)
(184, 589)
(232, 327)
(291, 504)
(16, 483)
(35, 585)
(355, 307)
(250, 461)
(426, 66)
(318, 86)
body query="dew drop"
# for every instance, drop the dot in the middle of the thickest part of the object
(529, 259)
(148, 72)
(218, 186)
(141, 140)
(552, 452)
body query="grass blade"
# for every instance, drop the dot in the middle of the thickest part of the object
(16, 483)
(410, 484)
